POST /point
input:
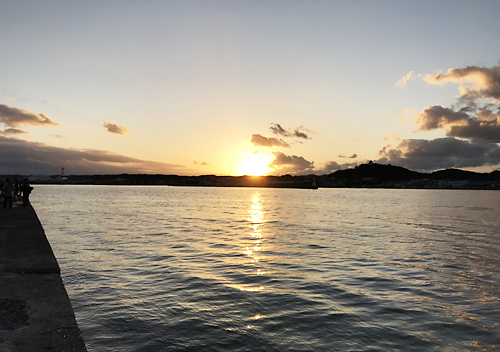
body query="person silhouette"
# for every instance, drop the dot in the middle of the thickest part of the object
(7, 193)
(26, 189)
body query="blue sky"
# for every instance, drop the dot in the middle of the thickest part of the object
(184, 86)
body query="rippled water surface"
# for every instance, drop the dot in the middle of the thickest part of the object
(246, 269)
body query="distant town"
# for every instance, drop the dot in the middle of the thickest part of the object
(370, 175)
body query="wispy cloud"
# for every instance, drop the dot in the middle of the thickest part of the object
(202, 163)
(402, 82)
(298, 132)
(353, 156)
(15, 117)
(115, 128)
(12, 132)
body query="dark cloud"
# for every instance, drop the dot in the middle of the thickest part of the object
(277, 129)
(433, 117)
(429, 155)
(467, 123)
(477, 131)
(23, 157)
(290, 164)
(298, 132)
(332, 166)
(354, 156)
(14, 117)
(12, 132)
(114, 128)
(260, 140)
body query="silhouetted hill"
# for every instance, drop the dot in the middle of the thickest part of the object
(457, 174)
(378, 172)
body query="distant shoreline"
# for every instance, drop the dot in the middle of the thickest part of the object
(369, 175)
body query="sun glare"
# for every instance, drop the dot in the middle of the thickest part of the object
(254, 164)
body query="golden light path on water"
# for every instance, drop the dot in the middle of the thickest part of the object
(256, 219)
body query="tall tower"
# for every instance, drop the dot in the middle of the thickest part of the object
(62, 171)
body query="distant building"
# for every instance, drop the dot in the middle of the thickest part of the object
(458, 184)
(47, 178)
(39, 178)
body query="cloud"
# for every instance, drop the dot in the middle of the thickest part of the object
(200, 163)
(477, 114)
(354, 156)
(475, 82)
(12, 132)
(433, 117)
(277, 129)
(23, 157)
(290, 164)
(59, 136)
(15, 117)
(114, 128)
(475, 120)
(332, 166)
(299, 132)
(479, 125)
(406, 112)
(392, 136)
(429, 155)
(402, 82)
(260, 140)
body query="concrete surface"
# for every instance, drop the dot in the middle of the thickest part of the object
(35, 311)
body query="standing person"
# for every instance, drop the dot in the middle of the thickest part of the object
(17, 191)
(26, 189)
(7, 193)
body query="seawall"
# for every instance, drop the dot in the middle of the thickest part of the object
(35, 310)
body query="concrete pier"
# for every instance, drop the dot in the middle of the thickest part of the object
(35, 311)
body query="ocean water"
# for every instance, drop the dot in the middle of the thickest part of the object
(249, 269)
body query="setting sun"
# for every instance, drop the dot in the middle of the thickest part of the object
(254, 164)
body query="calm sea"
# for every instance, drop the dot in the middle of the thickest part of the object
(247, 269)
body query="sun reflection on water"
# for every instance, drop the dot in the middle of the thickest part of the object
(256, 219)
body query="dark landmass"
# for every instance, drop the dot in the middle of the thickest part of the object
(369, 175)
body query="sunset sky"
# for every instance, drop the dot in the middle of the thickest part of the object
(248, 87)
